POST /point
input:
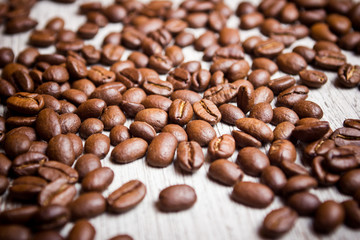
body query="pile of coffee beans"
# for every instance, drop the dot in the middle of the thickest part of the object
(65, 111)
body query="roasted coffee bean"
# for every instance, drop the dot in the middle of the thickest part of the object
(220, 94)
(230, 113)
(328, 216)
(326, 45)
(14, 231)
(134, 95)
(349, 75)
(278, 222)
(19, 215)
(268, 48)
(76, 143)
(112, 116)
(323, 176)
(28, 131)
(16, 144)
(91, 108)
(52, 170)
(175, 54)
(47, 124)
(338, 24)
(5, 164)
(61, 149)
(243, 139)
(99, 75)
(28, 163)
(160, 63)
(51, 217)
(50, 88)
(306, 109)
(88, 205)
(274, 178)
(330, 60)
(28, 56)
(349, 182)
(346, 136)
(58, 192)
(129, 150)
(98, 144)
(74, 96)
(42, 38)
(180, 112)
(157, 86)
(20, 24)
(313, 78)
(86, 163)
(251, 20)
(206, 110)
(115, 13)
(176, 130)
(189, 156)
(6, 56)
(349, 41)
(142, 130)
(304, 203)
(225, 172)
(126, 197)
(97, 180)
(284, 114)
(320, 31)
(197, 20)
(186, 95)
(255, 195)
(161, 150)
(319, 147)
(262, 111)
(292, 95)
(252, 161)
(245, 98)
(22, 81)
(25, 103)
(298, 183)
(157, 118)
(250, 43)
(176, 198)
(342, 158)
(263, 94)
(157, 101)
(82, 230)
(26, 188)
(255, 128)
(200, 131)
(221, 147)
(4, 183)
(293, 169)
(184, 39)
(259, 77)
(245, 8)
(291, 63)
(139, 59)
(229, 36)
(266, 64)
(111, 53)
(351, 208)
(282, 150)
(352, 123)
(179, 78)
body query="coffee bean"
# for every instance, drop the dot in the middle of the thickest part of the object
(175, 54)
(82, 230)
(157, 86)
(348, 183)
(14, 231)
(251, 20)
(200, 131)
(346, 136)
(97, 180)
(98, 144)
(5, 164)
(252, 161)
(255, 128)
(328, 216)
(313, 78)
(161, 150)
(129, 150)
(268, 48)
(176, 198)
(126, 197)
(184, 39)
(91, 108)
(291, 95)
(176, 130)
(293, 169)
(284, 114)
(245, 8)
(160, 63)
(230, 113)
(179, 78)
(186, 95)
(274, 178)
(61, 149)
(299, 183)
(225, 172)
(88, 205)
(28, 163)
(51, 217)
(180, 112)
(291, 63)
(99, 75)
(266, 64)
(206, 110)
(262, 111)
(21, 24)
(338, 24)
(278, 222)
(243, 139)
(157, 101)
(19, 215)
(16, 144)
(58, 192)
(28, 103)
(255, 195)
(351, 208)
(349, 40)
(349, 75)
(304, 203)
(52, 170)
(142, 130)
(329, 60)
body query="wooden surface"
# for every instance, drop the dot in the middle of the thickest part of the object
(215, 215)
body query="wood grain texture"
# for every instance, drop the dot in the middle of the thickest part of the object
(215, 215)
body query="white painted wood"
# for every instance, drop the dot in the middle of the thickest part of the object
(215, 215)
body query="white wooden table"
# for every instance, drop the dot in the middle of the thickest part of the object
(215, 215)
